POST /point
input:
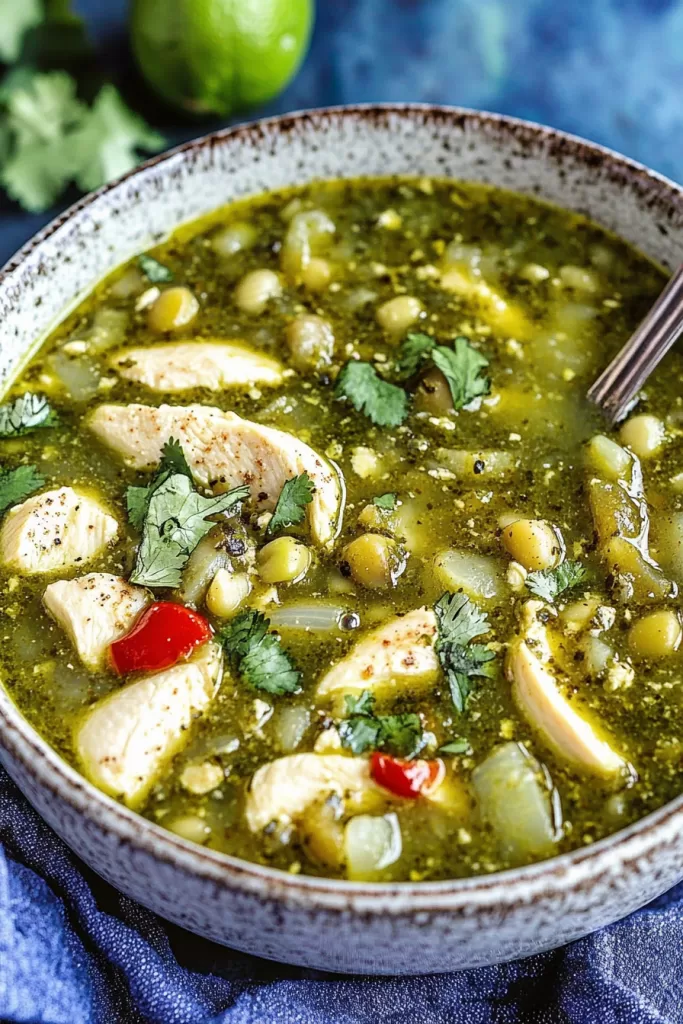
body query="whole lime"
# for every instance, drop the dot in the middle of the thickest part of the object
(219, 56)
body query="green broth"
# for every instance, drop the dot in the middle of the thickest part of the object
(536, 411)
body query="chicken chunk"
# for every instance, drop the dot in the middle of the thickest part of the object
(181, 365)
(94, 611)
(125, 739)
(225, 451)
(282, 790)
(399, 653)
(55, 530)
(536, 692)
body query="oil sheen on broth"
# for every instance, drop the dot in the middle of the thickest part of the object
(471, 659)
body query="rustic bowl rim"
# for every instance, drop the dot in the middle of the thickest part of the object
(578, 868)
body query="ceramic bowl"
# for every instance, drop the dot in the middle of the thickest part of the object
(389, 928)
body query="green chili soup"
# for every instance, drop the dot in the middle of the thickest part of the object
(314, 553)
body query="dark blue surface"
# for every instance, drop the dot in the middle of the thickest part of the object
(73, 950)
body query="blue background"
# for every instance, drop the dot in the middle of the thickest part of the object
(72, 950)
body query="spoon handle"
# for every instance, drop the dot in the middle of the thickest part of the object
(617, 386)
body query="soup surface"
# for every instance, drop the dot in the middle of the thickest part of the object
(314, 553)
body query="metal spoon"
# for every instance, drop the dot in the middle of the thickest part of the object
(615, 390)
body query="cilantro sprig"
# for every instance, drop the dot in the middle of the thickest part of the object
(24, 414)
(18, 484)
(173, 517)
(50, 137)
(256, 655)
(459, 621)
(460, 365)
(290, 510)
(548, 584)
(154, 271)
(383, 403)
(414, 351)
(387, 502)
(363, 730)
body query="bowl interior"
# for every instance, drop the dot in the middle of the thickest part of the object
(54, 270)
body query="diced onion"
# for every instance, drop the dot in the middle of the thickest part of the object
(371, 844)
(79, 378)
(291, 724)
(316, 617)
(515, 802)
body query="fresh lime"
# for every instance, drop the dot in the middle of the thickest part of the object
(219, 56)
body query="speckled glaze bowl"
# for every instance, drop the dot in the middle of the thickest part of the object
(339, 926)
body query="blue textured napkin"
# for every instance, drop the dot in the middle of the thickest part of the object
(72, 949)
(75, 951)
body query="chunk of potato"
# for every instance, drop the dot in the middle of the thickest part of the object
(644, 435)
(478, 576)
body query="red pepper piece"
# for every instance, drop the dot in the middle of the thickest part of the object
(406, 778)
(162, 635)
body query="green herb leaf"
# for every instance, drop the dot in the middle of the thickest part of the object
(154, 271)
(459, 621)
(173, 518)
(383, 403)
(30, 412)
(137, 498)
(461, 665)
(459, 745)
(402, 735)
(296, 494)
(107, 142)
(550, 583)
(42, 115)
(414, 350)
(460, 367)
(18, 484)
(257, 656)
(16, 17)
(387, 501)
(51, 138)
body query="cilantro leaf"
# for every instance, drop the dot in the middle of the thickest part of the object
(459, 745)
(107, 142)
(363, 730)
(30, 412)
(17, 484)
(154, 271)
(175, 521)
(137, 498)
(15, 19)
(460, 366)
(296, 494)
(257, 656)
(51, 138)
(173, 518)
(387, 501)
(459, 621)
(461, 665)
(550, 583)
(383, 403)
(414, 350)
(42, 114)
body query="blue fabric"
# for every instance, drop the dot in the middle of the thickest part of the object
(74, 950)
